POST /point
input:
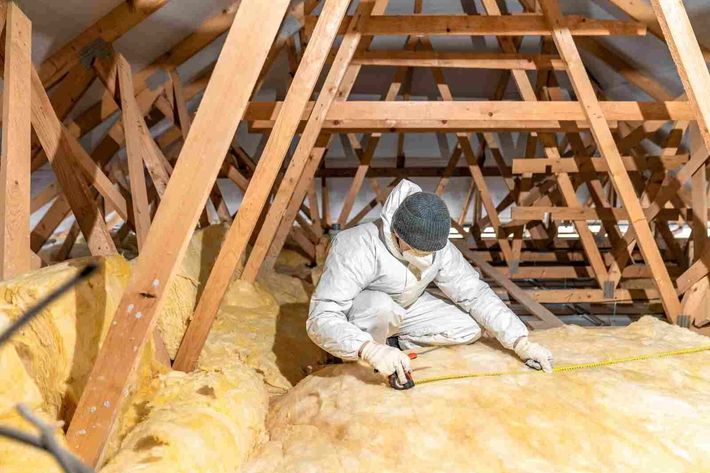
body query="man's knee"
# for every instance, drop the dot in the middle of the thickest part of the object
(461, 333)
(376, 313)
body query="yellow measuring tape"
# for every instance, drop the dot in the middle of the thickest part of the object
(563, 368)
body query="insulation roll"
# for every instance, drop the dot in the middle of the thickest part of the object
(646, 416)
(207, 421)
(16, 457)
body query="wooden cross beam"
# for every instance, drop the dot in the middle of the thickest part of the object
(477, 25)
(421, 116)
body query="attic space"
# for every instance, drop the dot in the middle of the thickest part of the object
(249, 236)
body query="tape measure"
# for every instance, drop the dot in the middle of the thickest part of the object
(564, 368)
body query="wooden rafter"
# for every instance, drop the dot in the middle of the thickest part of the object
(224, 103)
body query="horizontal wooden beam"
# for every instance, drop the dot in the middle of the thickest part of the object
(405, 172)
(463, 60)
(573, 165)
(481, 25)
(576, 272)
(580, 296)
(464, 115)
(589, 213)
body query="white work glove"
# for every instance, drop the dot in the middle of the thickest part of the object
(386, 360)
(534, 355)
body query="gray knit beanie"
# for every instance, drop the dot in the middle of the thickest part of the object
(422, 221)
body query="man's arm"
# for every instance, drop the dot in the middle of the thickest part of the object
(463, 285)
(349, 268)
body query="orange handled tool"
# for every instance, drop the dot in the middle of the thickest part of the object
(394, 381)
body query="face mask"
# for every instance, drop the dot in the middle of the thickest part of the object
(419, 260)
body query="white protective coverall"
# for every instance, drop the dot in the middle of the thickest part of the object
(368, 292)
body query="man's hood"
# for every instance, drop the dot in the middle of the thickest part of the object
(396, 197)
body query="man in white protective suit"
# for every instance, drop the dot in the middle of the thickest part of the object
(371, 301)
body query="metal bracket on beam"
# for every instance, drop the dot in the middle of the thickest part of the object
(683, 321)
(98, 48)
(608, 289)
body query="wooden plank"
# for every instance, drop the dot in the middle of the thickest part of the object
(590, 213)
(696, 81)
(71, 88)
(258, 191)
(642, 11)
(447, 116)
(286, 222)
(49, 222)
(137, 147)
(573, 272)
(132, 122)
(181, 119)
(44, 196)
(574, 165)
(307, 157)
(58, 147)
(477, 25)
(605, 143)
(105, 30)
(461, 60)
(688, 60)
(16, 146)
(590, 296)
(535, 308)
(695, 273)
(214, 126)
(64, 250)
(180, 104)
(374, 139)
(698, 220)
(696, 302)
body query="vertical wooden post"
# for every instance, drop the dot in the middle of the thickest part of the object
(16, 146)
(253, 31)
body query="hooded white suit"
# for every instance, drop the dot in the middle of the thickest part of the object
(368, 292)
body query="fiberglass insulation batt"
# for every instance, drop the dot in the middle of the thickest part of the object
(19, 387)
(640, 416)
(212, 419)
(57, 349)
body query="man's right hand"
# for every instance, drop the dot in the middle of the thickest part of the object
(386, 360)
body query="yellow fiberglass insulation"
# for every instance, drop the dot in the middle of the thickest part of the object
(210, 420)
(205, 421)
(185, 287)
(641, 416)
(265, 332)
(19, 387)
(59, 346)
